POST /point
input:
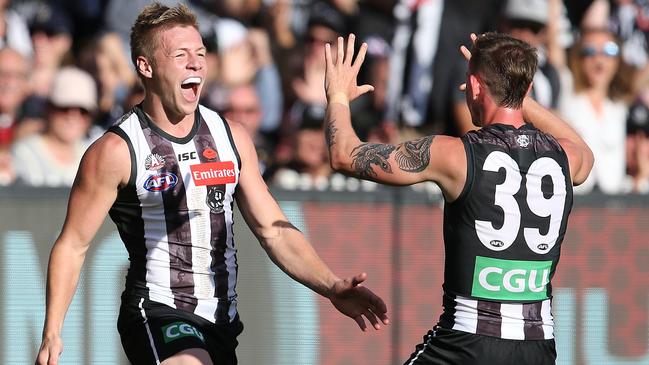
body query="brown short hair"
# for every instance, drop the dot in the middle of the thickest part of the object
(154, 18)
(505, 65)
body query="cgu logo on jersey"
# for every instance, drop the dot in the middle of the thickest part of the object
(161, 182)
(178, 330)
(510, 279)
(213, 173)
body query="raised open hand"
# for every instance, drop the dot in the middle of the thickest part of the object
(341, 73)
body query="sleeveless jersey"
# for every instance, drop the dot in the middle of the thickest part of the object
(503, 235)
(175, 215)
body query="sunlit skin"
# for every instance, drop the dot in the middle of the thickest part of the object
(179, 57)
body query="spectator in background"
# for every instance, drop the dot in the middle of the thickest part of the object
(309, 166)
(629, 21)
(373, 25)
(243, 56)
(303, 72)
(242, 104)
(527, 20)
(13, 91)
(13, 31)
(425, 67)
(51, 34)
(104, 58)
(637, 142)
(51, 158)
(593, 102)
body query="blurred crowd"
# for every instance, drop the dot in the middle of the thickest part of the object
(66, 76)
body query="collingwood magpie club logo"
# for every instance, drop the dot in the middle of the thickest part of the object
(154, 162)
(523, 140)
(214, 199)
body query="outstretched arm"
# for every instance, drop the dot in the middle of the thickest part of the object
(101, 171)
(431, 158)
(290, 251)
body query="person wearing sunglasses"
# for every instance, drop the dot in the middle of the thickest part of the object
(594, 103)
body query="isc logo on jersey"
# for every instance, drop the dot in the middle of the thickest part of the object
(214, 173)
(178, 330)
(510, 279)
(161, 182)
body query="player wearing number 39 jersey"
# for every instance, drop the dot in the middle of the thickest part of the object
(507, 188)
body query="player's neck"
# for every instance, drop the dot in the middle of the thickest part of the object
(509, 116)
(175, 125)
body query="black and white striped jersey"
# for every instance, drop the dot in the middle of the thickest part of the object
(175, 214)
(503, 234)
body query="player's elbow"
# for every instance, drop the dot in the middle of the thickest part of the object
(585, 167)
(338, 160)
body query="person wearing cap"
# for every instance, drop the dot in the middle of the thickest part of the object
(168, 173)
(51, 34)
(51, 158)
(527, 20)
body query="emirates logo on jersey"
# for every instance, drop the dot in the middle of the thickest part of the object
(213, 173)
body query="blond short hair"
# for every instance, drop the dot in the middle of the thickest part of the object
(153, 19)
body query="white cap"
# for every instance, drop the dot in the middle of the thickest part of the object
(73, 87)
(532, 10)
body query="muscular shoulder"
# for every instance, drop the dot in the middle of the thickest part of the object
(241, 137)
(108, 158)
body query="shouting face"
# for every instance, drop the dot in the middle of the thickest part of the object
(175, 75)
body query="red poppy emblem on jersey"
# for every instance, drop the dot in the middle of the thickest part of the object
(213, 173)
(209, 153)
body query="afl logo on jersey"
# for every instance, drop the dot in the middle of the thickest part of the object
(496, 243)
(543, 246)
(161, 182)
(523, 140)
(154, 162)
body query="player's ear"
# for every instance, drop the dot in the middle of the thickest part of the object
(476, 86)
(144, 67)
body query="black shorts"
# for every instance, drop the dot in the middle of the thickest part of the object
(152, 332)
(445, 346)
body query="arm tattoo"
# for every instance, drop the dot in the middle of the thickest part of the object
(330, 133)
(368, 154)
(414, 156)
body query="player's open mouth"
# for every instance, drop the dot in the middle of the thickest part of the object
(189, 88)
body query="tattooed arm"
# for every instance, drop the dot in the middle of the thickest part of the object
(432, 158)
